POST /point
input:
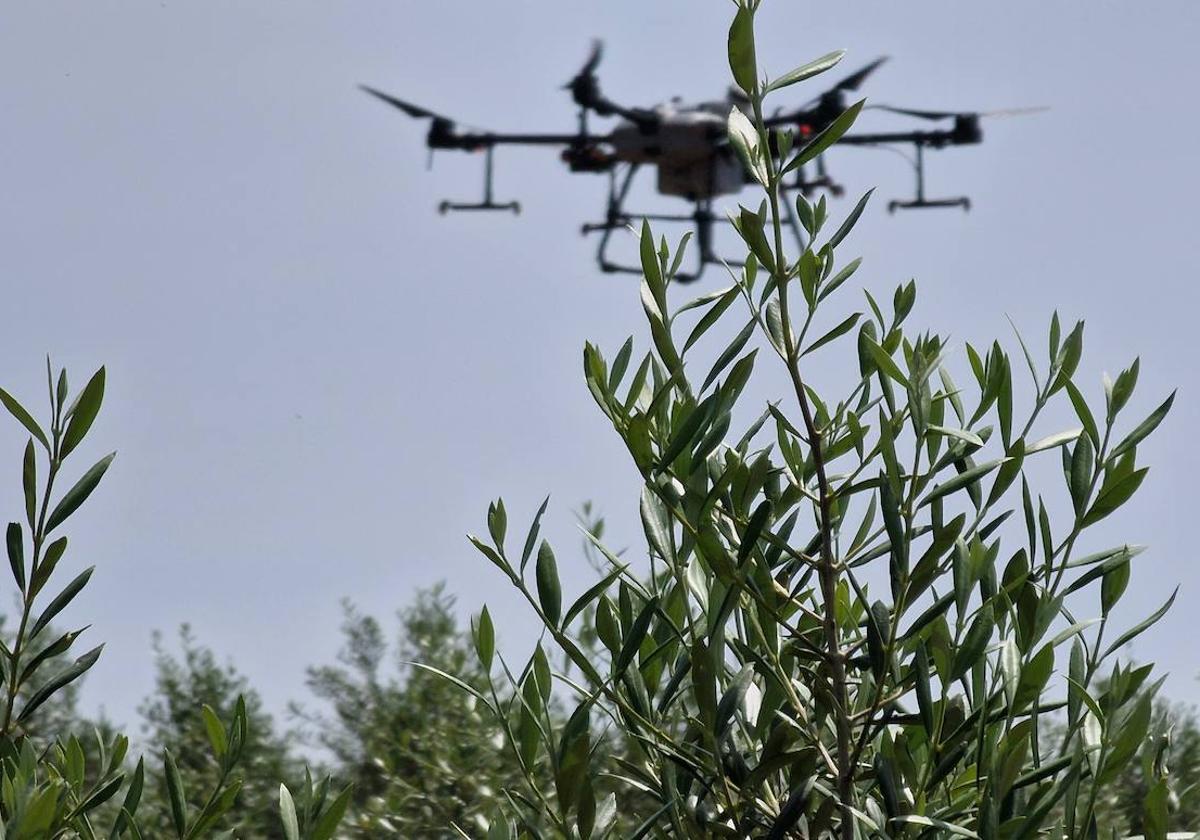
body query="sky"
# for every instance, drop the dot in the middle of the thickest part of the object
(316, 383)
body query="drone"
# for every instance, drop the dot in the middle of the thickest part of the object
(688, 147)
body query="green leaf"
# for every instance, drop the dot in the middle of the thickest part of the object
(592, 593)
(742, 61)
(959, 434)
(531, 538)
(133, 796)
(61, 600)
(1083, 413)
(883, 360)
(806, 71)
(975, 642)
(711, 316)
(83, 413)
(29, 485)
(490, 553)
(485, 639)
(68, 675)
(916, 819)
(851, 220)
(1142, 626)
(332, 816)
(963, 479)
(15, 543)
(56, 648)
(454, 681)
(45, 568)
(657, 525)
(633, 641)
(1068, 358)
(176, 793)
(834, 334)
(743, 136)
(838, 279)
(24, 418)
(1113, 585)
(548, 587)
(1114, 496)
(620, 365)
(497, 521)
(754, 528)
(1034, 677)
(287, 814)
(827, 137)
(1080, 476)
(1155, 810)
(1122, 389)
(1052, 441)
(727, 356)
(688, 431)
(651, 270)
(1144, 428)
(216, 731)
(750, 226)
(78, 494)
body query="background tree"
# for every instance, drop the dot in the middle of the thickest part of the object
(172, 718)
(421, 756)
(1121, 806)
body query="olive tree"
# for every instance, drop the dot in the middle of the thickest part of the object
(862, 606)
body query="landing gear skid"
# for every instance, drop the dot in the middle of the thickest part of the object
(963, 202)
(920, 201)
(488, 203)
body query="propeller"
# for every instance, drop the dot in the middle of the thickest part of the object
(951, 115)
(854, 80)
(407, 107)
(584, 87)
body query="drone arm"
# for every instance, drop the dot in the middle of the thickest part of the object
(934, 139)
(475, 141)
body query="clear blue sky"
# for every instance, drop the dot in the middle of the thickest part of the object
(317, 384)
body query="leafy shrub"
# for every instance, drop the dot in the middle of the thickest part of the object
(54, 784)
(421, 755)
(857, 602)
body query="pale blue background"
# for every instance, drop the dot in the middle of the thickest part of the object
(316, 383)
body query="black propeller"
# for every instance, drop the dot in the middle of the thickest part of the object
(585, 90)
(953, 115)
(854, 81)
(407, 107)
(584, 86)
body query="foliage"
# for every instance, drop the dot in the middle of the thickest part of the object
(856, 602)
(420, 755)
(1120, 806)
(174, 719)
(54, 784)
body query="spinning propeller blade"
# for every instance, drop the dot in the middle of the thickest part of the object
(584, 87)
(950, 115)
(593, 61)
(407, 107)
(854, 81)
